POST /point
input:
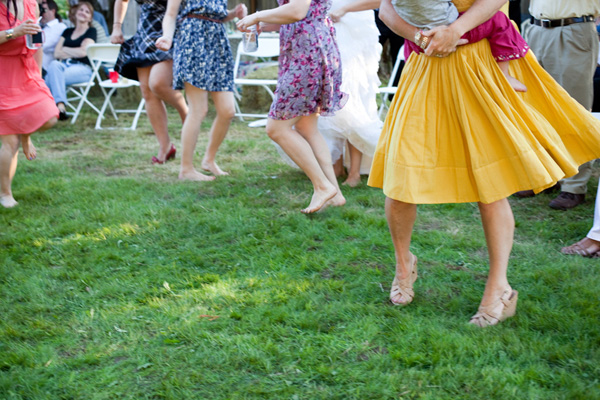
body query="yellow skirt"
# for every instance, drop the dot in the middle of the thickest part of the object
(457, 132)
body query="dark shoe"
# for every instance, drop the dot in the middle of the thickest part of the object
(62, 116)
(565, 201)
(529, 193)
(524, 194)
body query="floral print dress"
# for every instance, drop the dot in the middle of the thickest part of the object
(310, 72)
(202, 55)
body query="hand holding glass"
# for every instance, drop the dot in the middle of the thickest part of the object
(36, 40)
(250, 39)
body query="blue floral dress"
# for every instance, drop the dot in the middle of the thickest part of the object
(140, 50)
(310, 72)
(203, 55)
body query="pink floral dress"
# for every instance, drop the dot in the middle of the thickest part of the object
(310, 72)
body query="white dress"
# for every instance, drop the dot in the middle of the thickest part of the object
(357, 37)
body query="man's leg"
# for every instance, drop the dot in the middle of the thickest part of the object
(565, 54)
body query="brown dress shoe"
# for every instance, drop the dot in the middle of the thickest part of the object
(565, 201)
(529, 193)
(524, 194)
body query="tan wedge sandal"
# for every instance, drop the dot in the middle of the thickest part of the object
(504, 307)
(404, 287)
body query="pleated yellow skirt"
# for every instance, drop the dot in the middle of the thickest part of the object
(457, 132)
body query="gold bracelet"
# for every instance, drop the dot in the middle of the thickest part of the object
(9, 33)
(421, 40)
(418, 37)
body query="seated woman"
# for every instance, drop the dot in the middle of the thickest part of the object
(71, 65)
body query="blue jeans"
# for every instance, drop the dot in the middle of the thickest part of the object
(60, 74)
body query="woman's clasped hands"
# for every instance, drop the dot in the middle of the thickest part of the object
(443, 41)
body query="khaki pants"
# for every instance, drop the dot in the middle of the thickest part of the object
(569, 54)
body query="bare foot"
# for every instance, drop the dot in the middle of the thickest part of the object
(194, 175)
(516, 84)
(337, 201)
(214, 168)
(352, 181)
(319, 200)
(28, 147)
(586, 247)
(8, 201)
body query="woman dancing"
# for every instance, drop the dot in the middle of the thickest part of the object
(308, 85)
(139, 59)
(203, 64)
(26, 105)
(458, 132)
(357, 125)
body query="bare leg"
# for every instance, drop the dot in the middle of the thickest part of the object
(198, 103)
(338, 166)
(298, 148)
(28, 148)
(353, 179)
(499, 229)
(401, 220)
(8, 167)
(157, 113)
(225, 106)
(515, 83)
(499, 301)
(307, 127)
(161, 84)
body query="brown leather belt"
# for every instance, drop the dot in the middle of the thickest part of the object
(198, 16)
(553, 23)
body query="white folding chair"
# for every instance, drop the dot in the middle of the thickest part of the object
(385, 91)
(107, 54)
(77, 97)
(268, 51)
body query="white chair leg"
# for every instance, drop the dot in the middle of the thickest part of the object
(137, 114)
(381, 107)
(103, 109)
(78, 108)
(238, 111)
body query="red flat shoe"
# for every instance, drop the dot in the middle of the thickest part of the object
(171, 153)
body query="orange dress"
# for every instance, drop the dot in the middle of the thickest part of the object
(25, 100)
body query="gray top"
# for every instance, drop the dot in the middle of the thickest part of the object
(426, 14)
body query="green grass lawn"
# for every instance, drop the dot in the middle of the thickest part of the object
(117, 281)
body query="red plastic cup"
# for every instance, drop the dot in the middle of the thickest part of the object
(113, 76)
